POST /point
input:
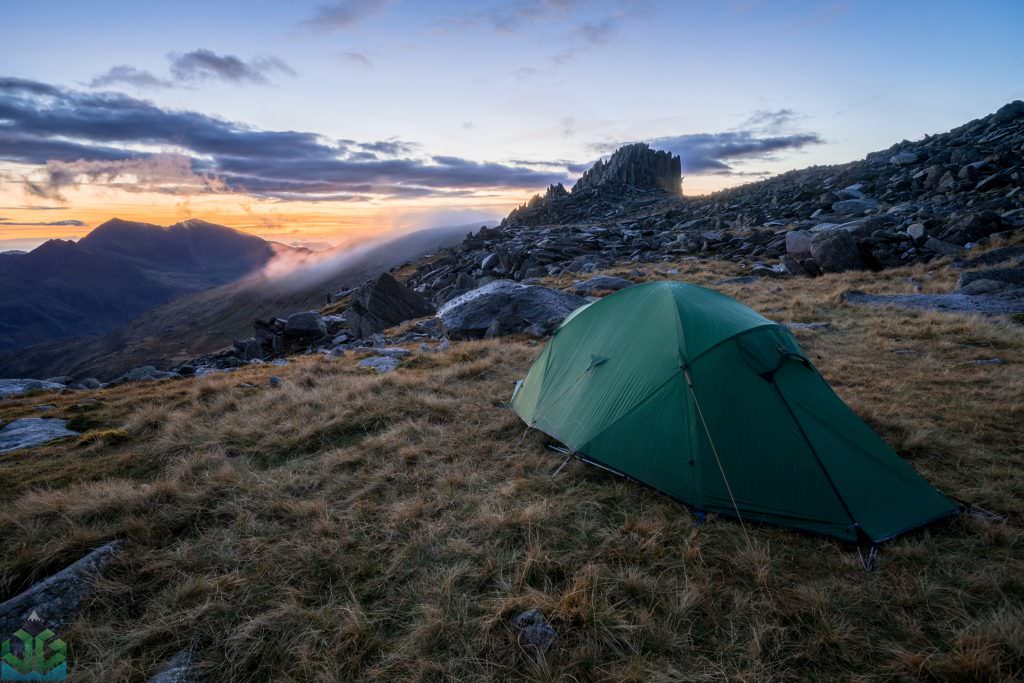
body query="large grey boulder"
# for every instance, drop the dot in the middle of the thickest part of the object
(836, 251)
(32, 431)
(305, 324)
(798, 243)
(382, 303)
(57, 598)
(16, 387)
(507, 306)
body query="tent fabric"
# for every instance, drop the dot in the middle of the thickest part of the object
(673, 385)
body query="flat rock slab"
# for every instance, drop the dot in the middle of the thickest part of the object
(507, 306)
(32, 431)
(56, 599)
(1006, 302)
(381, 364)
(16, 387)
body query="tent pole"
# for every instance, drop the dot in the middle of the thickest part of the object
(714, 450)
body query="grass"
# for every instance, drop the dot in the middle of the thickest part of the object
(350, 526)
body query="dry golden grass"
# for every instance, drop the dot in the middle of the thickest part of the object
(349, 526)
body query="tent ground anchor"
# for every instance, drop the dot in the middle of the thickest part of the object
(868, 562)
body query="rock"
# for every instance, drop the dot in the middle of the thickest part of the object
(903, 158)
(972, 227)
(178, 669)
(634, 166)
(808, 326)
(275, 381)
(1006, 276)
(381, 364)
(146, 373)
(916, 231)
(941, 247)
(986, 361)
(1005, 302)
(29, 432)
(762, 270)
(57, 598)
(249, 349)
(384, 303)
(535, 629)
(93, 383)
(16, 387)
(515, 306)
(836, 251)
(307, 324)
(976, 287)
(63, 379)
(855, 206)
(600, 283)
(995, 257)
(798, 243)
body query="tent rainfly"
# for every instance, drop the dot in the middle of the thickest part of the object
(689, 391)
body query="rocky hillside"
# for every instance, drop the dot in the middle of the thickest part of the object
(910, 203)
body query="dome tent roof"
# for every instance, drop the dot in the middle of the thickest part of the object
(691, 392)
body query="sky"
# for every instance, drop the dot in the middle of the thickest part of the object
(312, 122)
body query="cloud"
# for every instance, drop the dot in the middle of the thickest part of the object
(129, 75)
(75, 137)
(761, 137)
(45, 224)
(711, 153)
(343, 14)
(201, 65)
(194, 67)
(357, 58)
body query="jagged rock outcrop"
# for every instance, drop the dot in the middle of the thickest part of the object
(382, 303)
(632, 173)
(634, 167)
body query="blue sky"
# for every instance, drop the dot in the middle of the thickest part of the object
(482, 103)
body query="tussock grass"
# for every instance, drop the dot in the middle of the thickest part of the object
(354, 526)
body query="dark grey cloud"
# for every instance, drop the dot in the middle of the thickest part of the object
(762, 136)
(124, 74)
(44, 224)
(202, 65)
(714, 153)
(73, 137)
(194, 67)
(343, 14)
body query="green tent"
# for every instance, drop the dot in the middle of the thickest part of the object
(689, 391)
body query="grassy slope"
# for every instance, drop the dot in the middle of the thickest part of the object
(352, 526)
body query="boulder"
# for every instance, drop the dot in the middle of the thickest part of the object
(1006, 276)
(32, 431)
(146, 373)
(798, 243)
(855, 206)
(382, 303)
(941, 247)
(916, 231)
(16, 387)
(515, 306)
(381, 364)
(57, 598)
(972, 227)
(307, 324)
(836, 251)
(600, 283)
